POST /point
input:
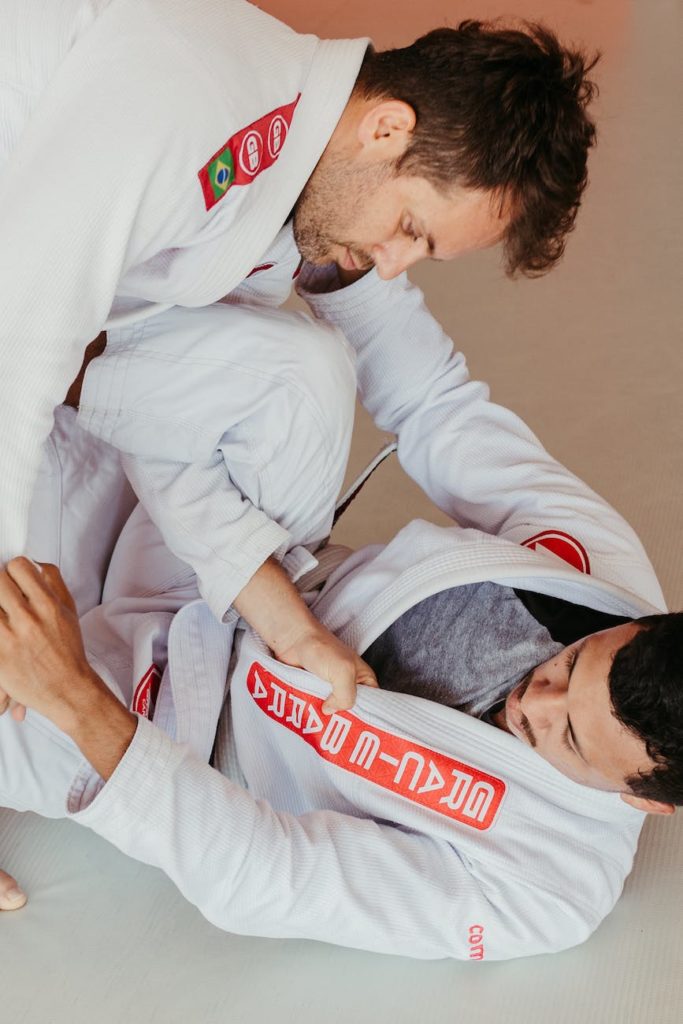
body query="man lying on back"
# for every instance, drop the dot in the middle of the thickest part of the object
(485, 803)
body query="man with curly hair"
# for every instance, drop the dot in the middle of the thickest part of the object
(159, 153)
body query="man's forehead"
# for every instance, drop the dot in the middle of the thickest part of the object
(608, 745)
(606, 642)
(462, 219)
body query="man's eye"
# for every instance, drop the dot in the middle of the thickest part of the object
(409, 230)
(567, 742)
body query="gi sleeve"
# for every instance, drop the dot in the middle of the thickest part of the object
(100, 180)
(322, 875)
(208, 523)
(476, 460)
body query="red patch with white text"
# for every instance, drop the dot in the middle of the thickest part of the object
(245, 155)
(146, 692)
(426, 777)
(564, 546)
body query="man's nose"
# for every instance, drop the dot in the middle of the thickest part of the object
(392, 258)
(545, 702)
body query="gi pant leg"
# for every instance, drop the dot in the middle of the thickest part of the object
(81, 502)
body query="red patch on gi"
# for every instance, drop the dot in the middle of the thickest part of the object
(146, 692)
(564, 546)
(424, 776)
(245, 155)
(261, 266)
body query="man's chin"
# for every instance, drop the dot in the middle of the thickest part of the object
(314, 255)
(319, 261)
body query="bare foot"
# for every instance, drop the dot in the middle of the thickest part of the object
(11, 896)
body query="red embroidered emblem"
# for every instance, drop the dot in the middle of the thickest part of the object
(564, 546)
(424, 776)
(146, 692)
(243, 157)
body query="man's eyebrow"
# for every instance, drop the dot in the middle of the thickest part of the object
(579, 651)
(429, 239)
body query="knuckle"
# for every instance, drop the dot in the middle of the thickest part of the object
(18, 562)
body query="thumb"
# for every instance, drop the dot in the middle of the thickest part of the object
(365, 675)
(343, 695)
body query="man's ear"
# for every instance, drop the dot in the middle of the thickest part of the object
(385, 128)
(648, 806)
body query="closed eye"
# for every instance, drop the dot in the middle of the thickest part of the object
(570, 661)
(409, 230)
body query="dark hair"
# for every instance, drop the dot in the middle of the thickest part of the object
(646, 690)
(498, 109)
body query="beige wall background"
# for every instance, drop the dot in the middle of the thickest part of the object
(395, 24)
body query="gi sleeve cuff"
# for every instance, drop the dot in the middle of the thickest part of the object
(368, 299)
(220, 585)
(93, 802)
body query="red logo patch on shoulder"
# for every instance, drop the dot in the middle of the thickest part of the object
(564, 546)
(424, 776)
(246, 154)
(146, 692)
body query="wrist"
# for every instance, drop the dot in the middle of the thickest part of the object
(295, 637)
(74, 704)
(272, 605)
(98, 723)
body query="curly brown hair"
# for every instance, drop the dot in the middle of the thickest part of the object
(501, 109)
(646, 691)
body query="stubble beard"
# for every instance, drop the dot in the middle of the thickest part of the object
(331, 206)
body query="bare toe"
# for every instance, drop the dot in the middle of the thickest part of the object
(11, 896)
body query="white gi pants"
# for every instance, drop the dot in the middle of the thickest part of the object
(82, 505)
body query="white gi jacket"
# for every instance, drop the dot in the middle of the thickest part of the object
(150, 151)
(222, 439)
(401, 826)
(236, 423)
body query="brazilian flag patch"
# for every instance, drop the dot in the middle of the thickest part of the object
(244, 156)
(221, 173)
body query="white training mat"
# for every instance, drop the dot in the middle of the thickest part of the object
(591, 357)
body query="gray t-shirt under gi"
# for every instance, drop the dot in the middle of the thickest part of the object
(466, 647)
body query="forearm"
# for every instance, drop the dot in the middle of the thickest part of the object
(207, 523)
(273, 607)
(43, 664)
(252, 870)
(98, 723)
(476, 460)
